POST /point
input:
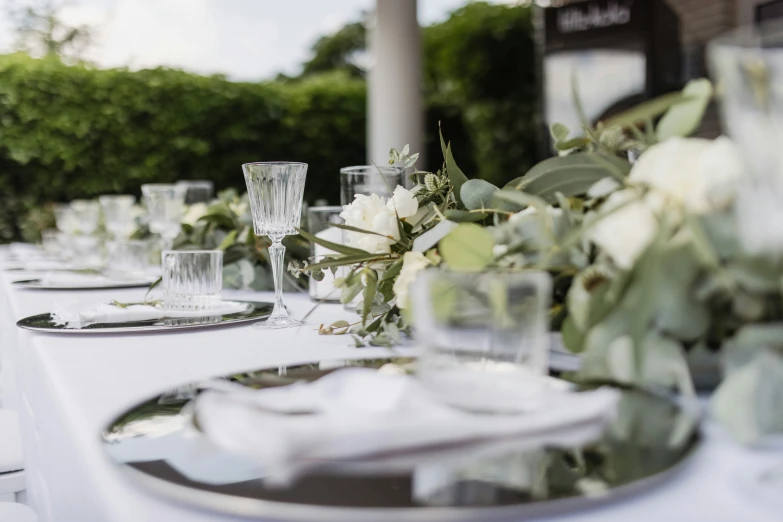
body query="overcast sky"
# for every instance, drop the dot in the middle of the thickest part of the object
(244, 39)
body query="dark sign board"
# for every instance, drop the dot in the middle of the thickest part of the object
(620, 51)
(769, 11)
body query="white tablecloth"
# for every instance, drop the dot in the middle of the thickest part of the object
(68, 387)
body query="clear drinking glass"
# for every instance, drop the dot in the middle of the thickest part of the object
(320, 223)
(369, 179)
(88, 252)
(51, 242)
(275, 190)
(65, 218)
(118, 215)
(129, 258)
(87, 215)
(164, 208)
(197, 191)
(192, 279)
(483, 337)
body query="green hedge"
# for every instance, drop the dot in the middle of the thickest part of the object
(73, 132)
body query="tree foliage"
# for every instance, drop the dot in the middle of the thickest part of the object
(70, 132)
(479, 83)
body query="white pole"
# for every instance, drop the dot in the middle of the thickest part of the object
(394, 100)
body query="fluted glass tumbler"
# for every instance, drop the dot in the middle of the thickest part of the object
(192, 279)
(164, 207)
(275, 190)
(483, 336)
(118, 215)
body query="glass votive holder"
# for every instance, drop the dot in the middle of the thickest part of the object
(197, 191)
(87, 252)
(130, 258)
(87, 215)
(192, 279)
(118, 214)
(369, 179)
(51, 242)
(65, 218)
(320, 222)
(164, 210)
(483, 337)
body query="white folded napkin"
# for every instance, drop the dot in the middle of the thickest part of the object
(78, 314)
(358, 413)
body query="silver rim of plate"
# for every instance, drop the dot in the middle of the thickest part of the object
(255, 311)
(159, 478)
(38, 284)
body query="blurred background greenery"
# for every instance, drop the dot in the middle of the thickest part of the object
(69, 130)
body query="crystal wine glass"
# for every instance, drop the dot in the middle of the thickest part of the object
(275, 190)
(164, 206)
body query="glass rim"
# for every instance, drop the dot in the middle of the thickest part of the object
(360, 169)
(274, 163)
(180, 252)
(161, 186)
(194, 182)
(325, 208)
(120, 197)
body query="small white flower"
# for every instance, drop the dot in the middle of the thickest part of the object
(624, 233)
(193, 213)
(696, 173)
(412, 264)
(404, 202)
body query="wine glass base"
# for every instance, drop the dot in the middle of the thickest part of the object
(278, 323)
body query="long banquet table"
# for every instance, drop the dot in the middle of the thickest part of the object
(67, 387)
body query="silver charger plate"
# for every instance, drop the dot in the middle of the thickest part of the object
(106, 285)
(158, 447)
(254, 312)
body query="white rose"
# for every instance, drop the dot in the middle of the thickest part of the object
(370, 213)
(412, 264)
(193, 213)
(692, 171)
(404, 202)
(624, 233)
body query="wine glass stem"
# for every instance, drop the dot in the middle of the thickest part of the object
(276, 254)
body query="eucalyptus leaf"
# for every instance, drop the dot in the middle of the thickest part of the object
(431, 237)
(463, 216)
(456, 176)
(337, 247)
(570, 175)
(228, 241)
(476, 194)
(647, 110)
(683, 119)
(468, 247)
(368, 294)
(749, 402)
(559, 131)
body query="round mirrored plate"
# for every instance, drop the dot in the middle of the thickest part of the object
(253, 312)
(158, 446)
(98, 284)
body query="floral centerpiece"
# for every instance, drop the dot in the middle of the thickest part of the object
(653, 267)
